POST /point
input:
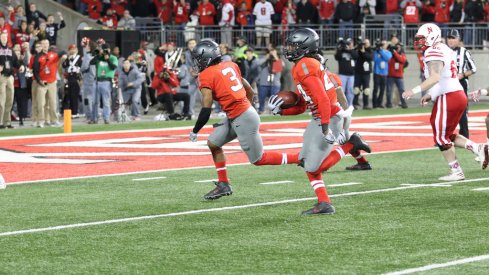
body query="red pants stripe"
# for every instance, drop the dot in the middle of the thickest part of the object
(446, 114)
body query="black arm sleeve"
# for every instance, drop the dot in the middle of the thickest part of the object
(112, 66)
(204, 116)
(35, 68)
(94, 60)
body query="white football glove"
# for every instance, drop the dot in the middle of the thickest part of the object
(193, 137)
(329, 138)
(342, 138)
(274, 103)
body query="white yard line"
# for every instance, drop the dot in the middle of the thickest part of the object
(145, 179)
(427, 185)
(343, 184)
(187, 168)
(199, 211)
(276, 182)
(206, 180)
(435, 266)
(78, 225)
(481, 189)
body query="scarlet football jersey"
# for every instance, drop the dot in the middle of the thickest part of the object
(224, 79)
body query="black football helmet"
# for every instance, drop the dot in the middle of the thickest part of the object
(204, 53)
(301, 42)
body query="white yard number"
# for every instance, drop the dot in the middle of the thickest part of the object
(233, 78)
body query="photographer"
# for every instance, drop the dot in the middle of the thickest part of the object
(381, 70)
(396, 72)
(363, 71)
(346, 57)
(165, 84)
(72, 64)
(268, 81)
(106, 65)
(130, 80)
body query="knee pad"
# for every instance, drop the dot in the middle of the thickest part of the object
(445, 147)
(366, 91)
(357, 91)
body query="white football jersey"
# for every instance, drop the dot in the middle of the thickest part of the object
(449, 75)
(263, 12)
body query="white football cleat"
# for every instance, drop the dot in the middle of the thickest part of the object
(2, 182)
(453, 177)
(483, 156)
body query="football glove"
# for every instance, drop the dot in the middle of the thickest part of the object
(193, 136)
(342, 138)
(274, 103)
(327, 134)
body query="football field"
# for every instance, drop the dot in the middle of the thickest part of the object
(131, 202)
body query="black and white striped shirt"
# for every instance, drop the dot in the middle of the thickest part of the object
(465, 62)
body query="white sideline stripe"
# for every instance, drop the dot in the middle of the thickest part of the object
(276, 182)
(187, 168)
(481, 189)
(210, 126)
(144, 179)
(435, 266)
(343, 184)
(206, 180)
(427, 185)
(191, 212)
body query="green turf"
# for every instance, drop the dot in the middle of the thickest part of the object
(78, 127)
(370, 234)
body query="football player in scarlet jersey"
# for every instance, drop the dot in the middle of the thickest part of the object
(445, 90)
(222, 82)
(326, 125)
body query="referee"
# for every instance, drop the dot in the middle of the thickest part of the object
(466, 67)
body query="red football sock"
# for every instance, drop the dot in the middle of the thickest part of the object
(317, 184)
(332, 159)
(276, 158)
(359, 157)
(222, 173)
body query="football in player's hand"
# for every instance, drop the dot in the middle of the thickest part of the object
(290, 99)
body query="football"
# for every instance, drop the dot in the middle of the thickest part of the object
(290, 99)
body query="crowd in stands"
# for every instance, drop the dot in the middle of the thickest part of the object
(99, 84)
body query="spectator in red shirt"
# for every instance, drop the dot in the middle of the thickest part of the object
(119, 6)
(442, 13)
(428, 11)
(243, 15)
(22, 34)
(109, 20)
(165, 84)
(326, 11)
(4, 26)
(486, 10)
(396, 72)
(94, 8)
(411, 10)
(16, 16)
(165, 11)
(206, 12)
(181, 11)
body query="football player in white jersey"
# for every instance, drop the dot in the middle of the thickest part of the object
(444, 89)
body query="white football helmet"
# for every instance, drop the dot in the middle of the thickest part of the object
(428, 35)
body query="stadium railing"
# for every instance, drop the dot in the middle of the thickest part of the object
(474, 35)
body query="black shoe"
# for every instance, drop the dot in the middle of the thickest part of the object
(359, 166)
(323, 208)
(367, 108)
(389, 106)
(9, 126)
(175, 116)
(358, 143)
(222, 189)
(404, 106)
(2, 127)
(381, 107)
(187, 117)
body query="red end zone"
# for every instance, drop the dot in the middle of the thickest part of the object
(80, 155)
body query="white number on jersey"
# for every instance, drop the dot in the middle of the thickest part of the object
(234, 78)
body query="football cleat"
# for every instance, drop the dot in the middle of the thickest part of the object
(453, 177)
(484, 156)
(358, 143)
(222, 189)
(323, 208)
(359, 166)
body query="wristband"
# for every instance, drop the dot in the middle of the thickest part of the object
(417, 90)
(483, 92)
